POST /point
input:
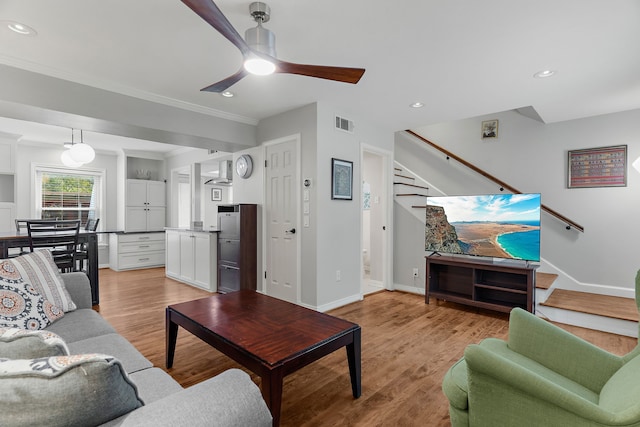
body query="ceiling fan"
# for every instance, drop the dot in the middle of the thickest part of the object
(259, 51)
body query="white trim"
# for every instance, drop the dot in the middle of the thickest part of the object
(337, 303)
(387, 196)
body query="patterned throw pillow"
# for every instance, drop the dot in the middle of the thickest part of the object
(21, 306)
(88, 389)
(18, 343)
(39, 269)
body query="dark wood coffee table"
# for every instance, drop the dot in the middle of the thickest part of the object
(268, 336)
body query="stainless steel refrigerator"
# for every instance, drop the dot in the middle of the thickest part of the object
(237, 246)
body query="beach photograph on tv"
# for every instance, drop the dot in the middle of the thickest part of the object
(497, 225)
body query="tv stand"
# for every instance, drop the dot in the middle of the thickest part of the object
(480, 283)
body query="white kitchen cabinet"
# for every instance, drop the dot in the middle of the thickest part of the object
(7, 186)
(128, 251)
(191, 257)
(145, 210)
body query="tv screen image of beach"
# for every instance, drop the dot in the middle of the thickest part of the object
(498, 225)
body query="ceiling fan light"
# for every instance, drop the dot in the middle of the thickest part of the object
(66, 160)
(259, 66)
(82, 153)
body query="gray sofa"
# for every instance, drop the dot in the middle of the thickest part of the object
(229, 399)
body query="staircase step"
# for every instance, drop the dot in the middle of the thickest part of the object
(601, 305)
(411, 194)
(404, 176)
(545, 280)
(410, 185)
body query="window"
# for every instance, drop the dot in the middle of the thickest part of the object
(68, 193)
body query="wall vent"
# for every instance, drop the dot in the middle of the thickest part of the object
(343, 124)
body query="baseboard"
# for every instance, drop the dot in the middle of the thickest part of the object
(338, 303)
(409, 289)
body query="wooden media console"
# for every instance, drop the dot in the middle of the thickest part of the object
(480, 283)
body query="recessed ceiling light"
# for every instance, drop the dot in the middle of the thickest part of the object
(544, 74)
(228, 94)
(417, 105)
(19, 28)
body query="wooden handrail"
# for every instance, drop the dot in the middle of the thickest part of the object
(503, 185)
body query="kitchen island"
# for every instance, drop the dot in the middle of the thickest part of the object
(191, 257)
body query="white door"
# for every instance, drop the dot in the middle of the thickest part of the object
(155, 218)
(156, 193)
(136, 218)
(136, 192)
(281, 219)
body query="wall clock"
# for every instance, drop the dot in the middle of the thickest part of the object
(244, 166)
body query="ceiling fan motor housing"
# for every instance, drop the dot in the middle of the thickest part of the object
(261, 40)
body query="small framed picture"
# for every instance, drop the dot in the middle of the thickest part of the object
(216, 194)
(341, 179)
(490, 129)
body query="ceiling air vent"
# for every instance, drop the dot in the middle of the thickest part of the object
(344, 125)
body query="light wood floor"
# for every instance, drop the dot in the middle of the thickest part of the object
(407, 346)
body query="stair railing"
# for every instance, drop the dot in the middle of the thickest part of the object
(503, 185)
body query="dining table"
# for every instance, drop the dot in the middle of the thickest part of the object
(9, 240)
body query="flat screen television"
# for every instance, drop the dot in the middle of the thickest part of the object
(496, 225)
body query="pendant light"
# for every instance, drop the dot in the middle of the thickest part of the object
(82, 153)
(65, 157)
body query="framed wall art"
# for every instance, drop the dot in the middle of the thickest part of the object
(341, 179)
(216, 194)
(598, 167)
(489, 129)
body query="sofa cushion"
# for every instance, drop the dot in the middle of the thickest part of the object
(39, 269)
(22, 306)
(64, 390)
(623, 388)
(18, 343)
(81, 324)
(116, 346)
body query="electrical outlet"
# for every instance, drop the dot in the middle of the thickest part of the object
(415, 272)
(338, 276)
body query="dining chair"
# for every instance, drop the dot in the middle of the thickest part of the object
(82, 254)
(21, 228)
(60, 237)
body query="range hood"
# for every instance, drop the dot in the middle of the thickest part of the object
(225, 174)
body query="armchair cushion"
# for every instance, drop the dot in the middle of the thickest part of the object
(16, 343)
(621, 392)
(64, 391)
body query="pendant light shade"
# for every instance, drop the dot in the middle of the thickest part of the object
(66, 159)
(82, 153)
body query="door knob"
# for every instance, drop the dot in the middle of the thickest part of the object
(292, 231)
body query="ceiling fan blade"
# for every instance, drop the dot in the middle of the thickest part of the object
(339, 74)
(225, 84)
(208, 11)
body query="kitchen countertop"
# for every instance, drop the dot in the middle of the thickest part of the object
(211, 230)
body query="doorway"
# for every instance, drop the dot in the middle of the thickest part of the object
(376, 220)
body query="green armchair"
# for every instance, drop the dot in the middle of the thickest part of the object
(543, 376)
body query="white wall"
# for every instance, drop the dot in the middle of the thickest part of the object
(332, 241)
(532, 157)
(301, 121)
